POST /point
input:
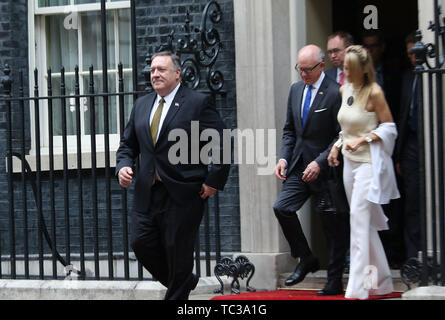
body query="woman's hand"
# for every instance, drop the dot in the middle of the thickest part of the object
(333, 157)
(353, 145)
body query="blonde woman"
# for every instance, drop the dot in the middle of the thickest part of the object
(366, 142)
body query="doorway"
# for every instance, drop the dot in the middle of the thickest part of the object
(348, 15)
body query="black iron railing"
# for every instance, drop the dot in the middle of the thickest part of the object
(51, 189)
(430, 59)
(60, 217)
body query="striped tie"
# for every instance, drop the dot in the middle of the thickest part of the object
(156, 120)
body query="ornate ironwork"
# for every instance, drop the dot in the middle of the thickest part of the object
(198, 49)
(428, 269)
(411, 271)
(240, 268)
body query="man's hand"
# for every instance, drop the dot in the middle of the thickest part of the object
(206, 191)
(125, 177)
(280, 170)
(311, 173)
(333, 157)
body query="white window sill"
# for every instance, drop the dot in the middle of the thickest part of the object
(58, 161)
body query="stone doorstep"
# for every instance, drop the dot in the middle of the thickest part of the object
(95, 290)
(148, 290)
(317, 281)
(425, 293)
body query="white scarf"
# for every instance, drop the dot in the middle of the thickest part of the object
(384, 185)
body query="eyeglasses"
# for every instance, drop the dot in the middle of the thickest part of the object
(307, 70)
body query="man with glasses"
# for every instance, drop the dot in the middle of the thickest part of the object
(310, 130)
(337, 44)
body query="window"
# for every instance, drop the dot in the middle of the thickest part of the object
(67, 33)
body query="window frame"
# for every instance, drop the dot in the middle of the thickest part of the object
(37, 59)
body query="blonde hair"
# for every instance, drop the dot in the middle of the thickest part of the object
(360, 63)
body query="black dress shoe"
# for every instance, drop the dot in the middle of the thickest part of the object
(304, 267)
(332, 288)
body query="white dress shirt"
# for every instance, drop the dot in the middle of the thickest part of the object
(167, 104)
(315, 86)
(168, 101)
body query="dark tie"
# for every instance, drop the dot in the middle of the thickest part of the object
(156, 120)
(414, 103)
(307, 104)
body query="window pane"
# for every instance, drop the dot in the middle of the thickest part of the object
(125, 55)
(92, 40)
(62, 45)
(129, 100)
(99, 105)
(85, 1)
(50, 3)
(69, 108)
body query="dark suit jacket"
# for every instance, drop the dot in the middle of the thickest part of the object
(315, 140)
(182, 181)
(403, 120)
(332, 73)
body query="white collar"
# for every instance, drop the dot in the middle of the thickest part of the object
(317, 83)
(169, 98)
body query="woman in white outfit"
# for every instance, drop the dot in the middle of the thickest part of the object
(366, 142)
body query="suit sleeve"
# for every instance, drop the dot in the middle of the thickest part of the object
(289, 135)
(129, 146)
(219, 170)
(322, 159)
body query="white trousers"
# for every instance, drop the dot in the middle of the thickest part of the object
(369, 272)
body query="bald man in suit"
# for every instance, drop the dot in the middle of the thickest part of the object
(310, 130)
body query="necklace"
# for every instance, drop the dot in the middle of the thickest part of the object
(355, 92)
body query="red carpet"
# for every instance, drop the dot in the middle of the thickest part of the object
(294, 295)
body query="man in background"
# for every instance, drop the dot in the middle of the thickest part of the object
(406, 153)
(337, 44)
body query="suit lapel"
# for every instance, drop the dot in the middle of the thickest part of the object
(317, 101)
(173, 110)
(297, 107)
(150, 103)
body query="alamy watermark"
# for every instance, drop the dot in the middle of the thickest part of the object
(71, 21)
(371, 21)
(371, 277)
(248, 146)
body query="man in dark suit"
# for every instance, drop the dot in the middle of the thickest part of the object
(388, 78)
(310, 131)
(406, 153)
(168, 198)
(337, 44)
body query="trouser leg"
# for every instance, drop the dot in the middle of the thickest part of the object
(163, 240)
(293, 195)
(336, 229)
(180, 229)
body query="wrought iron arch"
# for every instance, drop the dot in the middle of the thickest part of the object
(199, 49)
